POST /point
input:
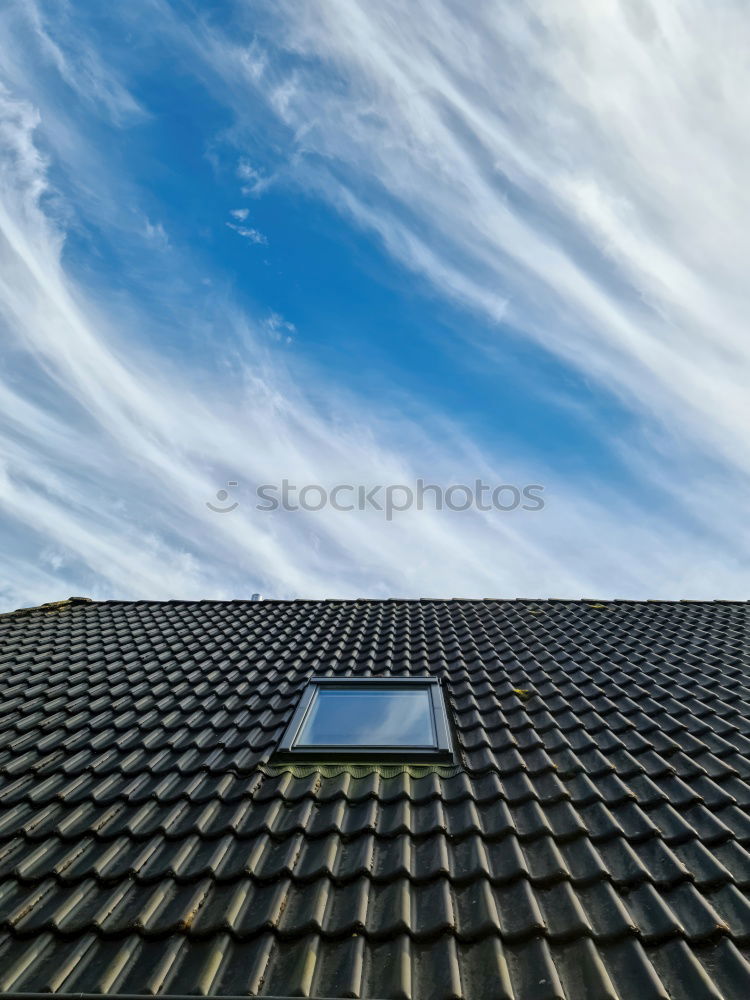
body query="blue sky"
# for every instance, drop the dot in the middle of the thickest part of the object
(367, 243)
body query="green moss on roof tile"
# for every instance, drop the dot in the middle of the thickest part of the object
(361, 770)
(51, 607)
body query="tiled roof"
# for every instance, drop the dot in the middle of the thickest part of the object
(592, 841)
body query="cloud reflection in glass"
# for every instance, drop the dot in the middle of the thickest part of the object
(369, 717)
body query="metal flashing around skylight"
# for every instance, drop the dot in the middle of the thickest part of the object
(369, 719)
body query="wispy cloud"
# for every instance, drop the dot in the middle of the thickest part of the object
(577, 173)
(255, 181)
(280, 329)
(67, 50)
(503, 157)
(155, 233)
(248, 233)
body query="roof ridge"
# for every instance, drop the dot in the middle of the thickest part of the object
(208, 601)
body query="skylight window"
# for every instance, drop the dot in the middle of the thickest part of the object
(393, 718)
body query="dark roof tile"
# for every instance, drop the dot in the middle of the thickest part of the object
(591, 841)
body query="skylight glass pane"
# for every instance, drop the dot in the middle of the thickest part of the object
(400, 717)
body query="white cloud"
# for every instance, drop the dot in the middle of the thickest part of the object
(575, 171)
(280, 329)
(256, 182)
(65, 47)
(248, 233)
(111, 449)
(240, 213)
(156, 233)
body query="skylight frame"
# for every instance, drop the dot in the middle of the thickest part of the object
(441, 750)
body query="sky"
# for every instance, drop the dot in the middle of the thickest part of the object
(344, 242)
